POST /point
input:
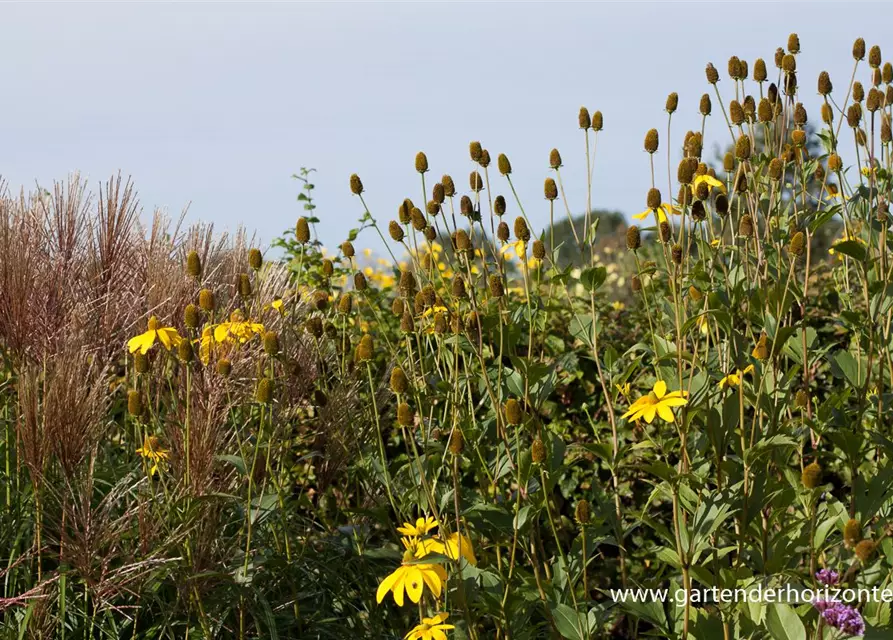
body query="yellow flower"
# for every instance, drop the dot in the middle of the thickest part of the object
(238, 328)
(422, 526)
(520, 248)
(618, 306)
(152, 450)
(367, 252)
(459, 545)
(623, 389)
(430, 311)
(204, 346)
(430, 628)
(734, 379)
(412, 576)
(711, 182)
(658, 402)
(662, 211)
(168, 337)
(833, 192)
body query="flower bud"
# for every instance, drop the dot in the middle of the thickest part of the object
(584, 118)
(704, 107)
(864, 550)
(264, 392)
(759, 70)
(193, 265)
(651, 141)
(712, 74)
(366, 348)
(798, 242)
(224, 367)
(597, 121)
(356, 185)
(244, 285)
(672, 102)
(745, 226)
(852, 533)
(347, 249)
(421, 162)
(405, 415)
(550, 189)
(583, 512)
(538, 451)
(522, 231)
(811, 476)
(633, 238)
(449, 188)
(502, 162)
(457, 443)
(874, 57)
(134, 403)
(399, 381)
(475, 150)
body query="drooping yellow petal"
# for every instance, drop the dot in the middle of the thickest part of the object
(414, 583)
(665, 412)
(649, 413)
(387, 584)
(643, 215)
(142, 342)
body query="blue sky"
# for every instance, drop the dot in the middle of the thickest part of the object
(214, 106)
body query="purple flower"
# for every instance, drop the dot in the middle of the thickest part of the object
(841, 616)
(827, 576)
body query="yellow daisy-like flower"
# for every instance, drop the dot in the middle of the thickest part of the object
(238, 329)
(734, 379)
(167, 336)
(657, 402)
(711, 182)
(430, 628)
(153, 451)
(520, 248)
(422, 526)
(411, 577)
(661, 212)
(623, 389)
(618, 306)
(279, 305)
(833, 192)
(458, 545)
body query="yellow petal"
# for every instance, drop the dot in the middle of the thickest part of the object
(649, 413)
(665, 412)
(387, 584)
(660, 389)
(414, 583)
(643, 215)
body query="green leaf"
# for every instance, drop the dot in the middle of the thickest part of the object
(784, 623)
(852, 248)
(593, 278)
(568, 622)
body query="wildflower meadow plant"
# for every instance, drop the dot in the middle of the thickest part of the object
(475, 427)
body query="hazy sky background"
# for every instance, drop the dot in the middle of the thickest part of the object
(216, 105)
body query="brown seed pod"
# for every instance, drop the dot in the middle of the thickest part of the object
(794, 43)
(347, 249)
(799, 114)
(328, 267)
(887, 73)
(854, 115)
(705, 106)
(874, 100)
(797, 245)
(554, 159)
(134, 403)
(320, 300)
(651, 141)
(191, 316)
(635, 284)
(485, 159)
(502, 162)
(721, 204)
(798, 138)
(255, 259)
(499, 205)
(437, 193)
(741, 182)
(653, 199)
(193, 265)
(463, 241)
(801, 399)
(421, 162)
(449, 188)
(550, 189)
(502, 232)
(522, 231)
(583, 512)
(345, 304)
(874, 57)
(685, 172)
(397, 307)
(244, 285)
(812, 476)
(366, 348)
(772, 93)
(419, 222)
(514, 415)
(264, 392)
(742, 147)
(473, 326)
(735, 68)
(633, 238)
(405, 415)
(825, 85)
(396, 231)
(702, 191)
(695, 294)
(676, 253)
(665, 231)
(683, 196)
(728, 162)
(694, 144)
(886, 134)
(140, 362)
(433, 208)
(759, 70)
(302, 231)
(698, 211)
(271, 338)
(458, 287)
(712, 74)
(584, 118)
(865, 550)
(819, 174)
(790, 84)
(440, 322)
(466, 207)
(356, 185)
(750, 108)
(399, 381)
(858, 91)
(745, 226)
(224, 367)
(404, 211)
(827, 113)
(457, 443)
(314, 327)
(779, 57)
(742, 69)
(497, 289)
(736, 113)
(834, 163)
(672, 102)
(598, 121)
(876, 77)
(475, 181)
(359, 281)
(538, 451)
(475, 150)
(852, 533)
(539, 249)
